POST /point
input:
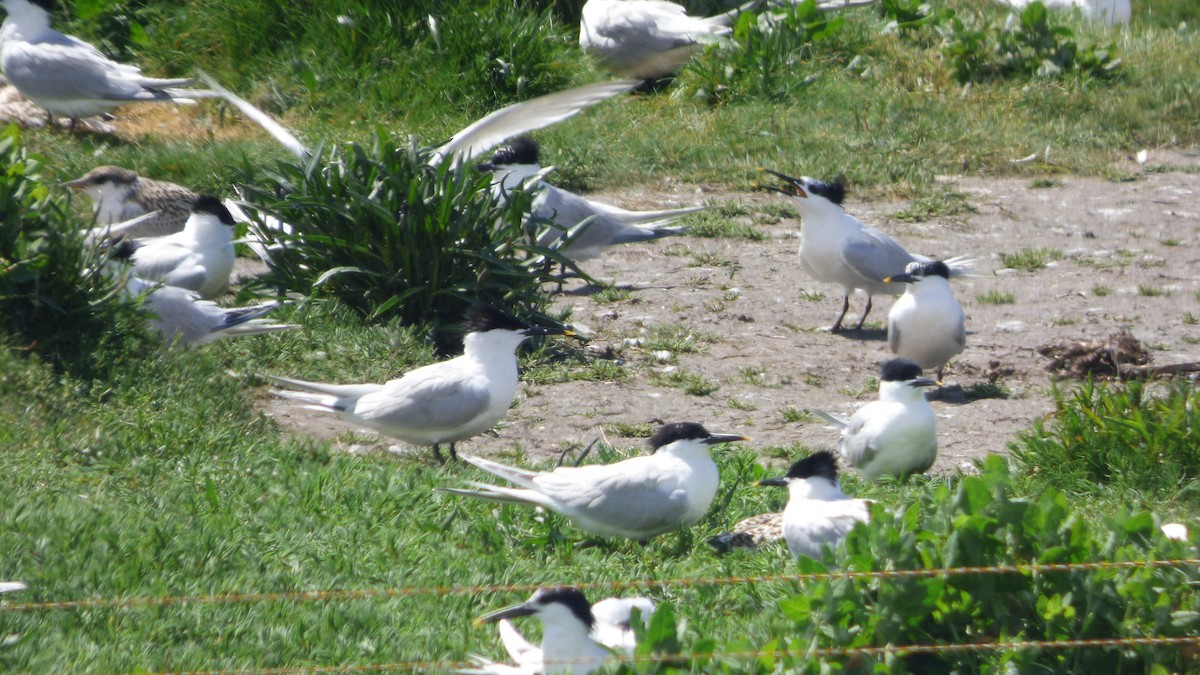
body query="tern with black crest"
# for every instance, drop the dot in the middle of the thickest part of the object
(637, 498)
(926, 325)
(199, 258)
(897, 434)
(818, 513)
(440, 403)
(567, 644)
(838, 248)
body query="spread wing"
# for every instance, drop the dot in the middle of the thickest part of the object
(874, 256)
(426, 398)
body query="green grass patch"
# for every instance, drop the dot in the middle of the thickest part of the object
(1031, 259)
(996, 298)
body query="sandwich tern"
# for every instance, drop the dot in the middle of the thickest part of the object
(838, 248)
(119, 194)
(567, 643)
(648, 39)
(612, 628)
(817, 512)
(439, 403)
(180, 314)
(11, 586)
(895, 435)
(199, 258)
(637, 498)
(517, 165)
(69, 77)
(926, 325)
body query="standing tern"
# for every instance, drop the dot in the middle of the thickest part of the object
(69, 77)
(895, 435)
(567, 643)
(648, 39)
(199, 258)
(637, 498)
(119, 194)
(517, 165)
(926, 325)
(818, 513)
(838, 248)
(181, 314)
(439, 403)
(612, 628)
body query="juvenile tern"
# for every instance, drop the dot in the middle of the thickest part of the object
(439, 403)
(517, 165)
(181, 314)
(69, 77)
(648, 39)
(750, 533)
(567, 644)
(637, 498)
(838, 248)
(199, 258)
(613, 628)
(818, 513)
(119, 194)
(926, 325)
(895, 435)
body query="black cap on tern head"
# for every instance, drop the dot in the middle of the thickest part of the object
(899, 370)
(929, 268)
(481, 317)
(834, 191)
(520, 150)
(821, 463)
(572, 598)
(213, 206)
(689, 431)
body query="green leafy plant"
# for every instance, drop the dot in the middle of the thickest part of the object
(387, 234)
(56, 300)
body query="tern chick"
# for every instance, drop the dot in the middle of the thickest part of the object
(119, 195)
(637, 498)
(818, 513)
(439, 403)
(926, 325)
(895, 435)
(838, 248)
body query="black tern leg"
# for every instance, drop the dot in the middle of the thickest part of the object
(437, 454)
(837, 325)
(864, 316)
(453, 452)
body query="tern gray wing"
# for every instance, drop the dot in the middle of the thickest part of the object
(894, 336)
(52, 71)
(630, 501)
(425, 400)
(875, 256)
(855, 446)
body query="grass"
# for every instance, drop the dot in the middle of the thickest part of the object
(943, 204)
(690, 382)
(1101, 291)
(996, 298)
(1147, 291)
(1031, 259)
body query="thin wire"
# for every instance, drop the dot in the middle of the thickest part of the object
(813, 653)
(361, 594)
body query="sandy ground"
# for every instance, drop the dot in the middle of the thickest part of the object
(758, 319)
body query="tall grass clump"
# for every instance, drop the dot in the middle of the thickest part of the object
(55, 300)
(1120, 439)
(384, 232)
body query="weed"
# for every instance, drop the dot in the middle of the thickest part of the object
(1031, 259)
(1101, 291)
(792, 415)
(610, 294)
(1147, 291)
(691, 383)
(739, 404)
(943, 204)
(996, 298)
(1043, 183)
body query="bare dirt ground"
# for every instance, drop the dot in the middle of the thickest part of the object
(758, 319)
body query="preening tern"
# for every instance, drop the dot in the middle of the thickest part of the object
(637, 498)
(895, 435)
(567, 623)
(818, 513)
(926, 325)
(69, 77)
(647, 39)
(440, 403)
(199, 258)
(181, 314)
(517, 164)
(836, 247)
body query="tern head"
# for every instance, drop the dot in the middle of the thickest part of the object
(820, 465)
(805, 188)
(208, 207)
(484, 318)
(900, 379)
(918, 271)
(551, 605)
(522, 150)
(689, 434)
